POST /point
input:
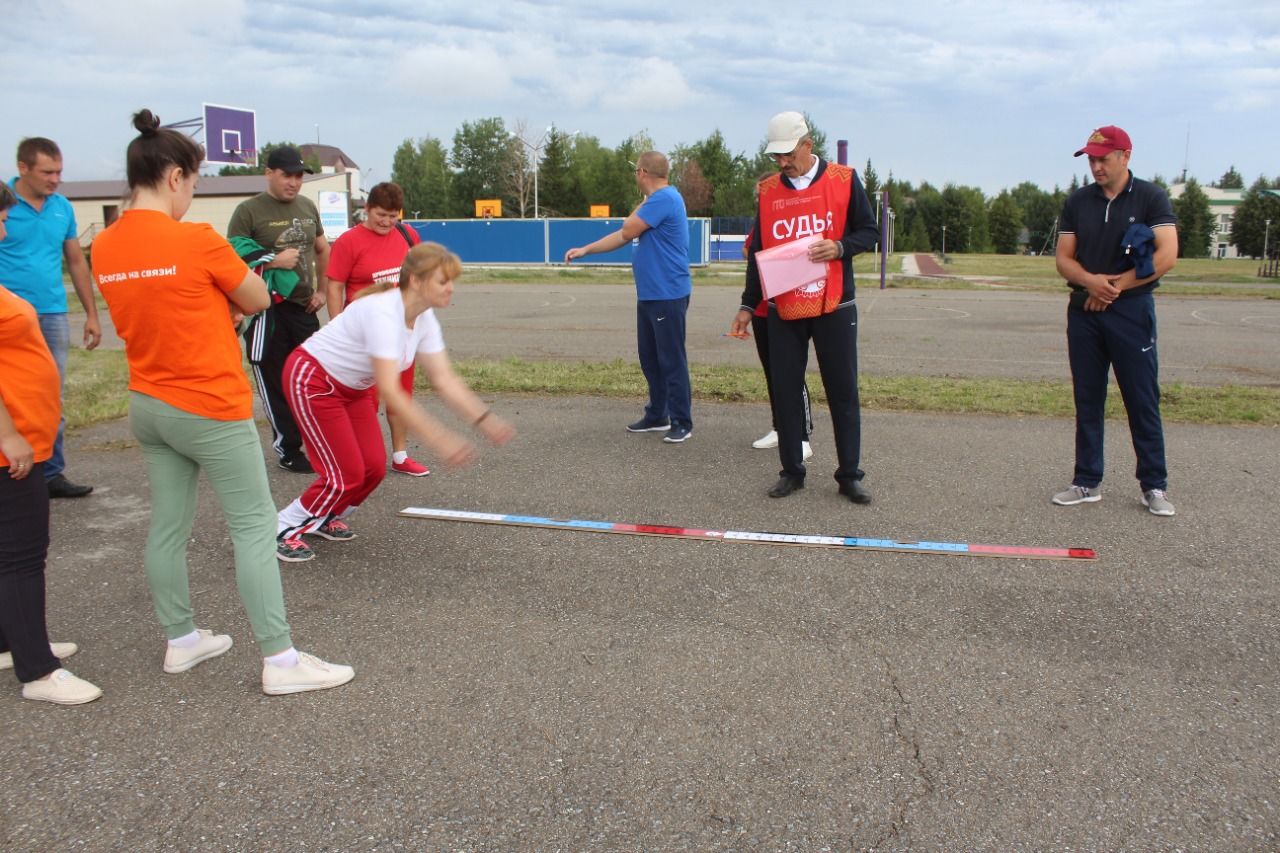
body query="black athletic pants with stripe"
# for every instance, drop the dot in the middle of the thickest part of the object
(275, 334)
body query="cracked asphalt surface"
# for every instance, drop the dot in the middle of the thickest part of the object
(529, 689)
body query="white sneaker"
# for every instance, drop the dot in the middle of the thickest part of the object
(61, 651)
(766, 441)
(61, 688)
(311, 673)
(209, 646)
(806, 450)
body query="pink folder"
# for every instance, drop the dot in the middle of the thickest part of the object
(787, 267)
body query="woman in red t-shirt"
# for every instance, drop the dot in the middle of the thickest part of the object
(371, 253)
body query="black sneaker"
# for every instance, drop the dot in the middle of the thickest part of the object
(60, 487)
(677, 434)
(645, 425)
(297, 464)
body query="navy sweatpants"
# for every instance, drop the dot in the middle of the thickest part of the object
(1122, 337)
(660, 338)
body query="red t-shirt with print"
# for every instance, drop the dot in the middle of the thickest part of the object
(361, 257)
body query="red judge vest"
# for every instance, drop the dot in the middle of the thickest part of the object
(787, 215)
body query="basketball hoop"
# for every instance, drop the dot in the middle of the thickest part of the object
(246, 156)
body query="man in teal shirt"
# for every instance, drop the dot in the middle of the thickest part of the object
(42, 233)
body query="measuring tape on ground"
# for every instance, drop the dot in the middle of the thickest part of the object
(961, 549)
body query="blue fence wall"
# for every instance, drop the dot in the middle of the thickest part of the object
(543, 241)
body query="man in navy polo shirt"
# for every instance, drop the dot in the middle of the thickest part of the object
(1111, 316)
(663, 287)
(42, 232)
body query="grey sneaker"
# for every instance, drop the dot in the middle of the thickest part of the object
(1157, 502)
(1078, 495)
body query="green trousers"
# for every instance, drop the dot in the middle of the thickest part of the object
(177, 446)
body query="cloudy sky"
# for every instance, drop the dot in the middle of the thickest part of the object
(981, 93)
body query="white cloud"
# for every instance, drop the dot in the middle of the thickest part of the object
(921, 86)
(452, 75)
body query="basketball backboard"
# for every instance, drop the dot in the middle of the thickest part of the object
(230, 136)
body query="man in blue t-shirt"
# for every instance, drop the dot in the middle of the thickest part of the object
(661, 270)
(1111, 314)
(42, 233)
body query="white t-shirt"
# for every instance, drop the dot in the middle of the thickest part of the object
(372, 327)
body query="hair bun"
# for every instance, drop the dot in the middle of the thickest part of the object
(146, 122)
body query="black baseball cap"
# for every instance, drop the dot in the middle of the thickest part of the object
(287, 159)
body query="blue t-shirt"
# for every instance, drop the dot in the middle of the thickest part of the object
(31, 254)
(661, 262)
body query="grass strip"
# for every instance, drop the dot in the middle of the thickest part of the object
(96, 390)
(1227, 404)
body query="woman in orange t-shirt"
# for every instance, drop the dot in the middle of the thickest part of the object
(29, 415)
(176, 291)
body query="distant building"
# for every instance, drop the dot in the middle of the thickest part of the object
(1222, 204)
(98, 203)
(334, 161)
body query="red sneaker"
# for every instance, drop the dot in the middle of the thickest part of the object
(410, 467)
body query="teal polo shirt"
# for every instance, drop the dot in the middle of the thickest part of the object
(31, 254)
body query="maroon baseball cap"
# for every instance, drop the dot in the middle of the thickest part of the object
(1104, 140)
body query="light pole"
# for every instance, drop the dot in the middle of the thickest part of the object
(535, 148)
(1266, 237)
(944, 244)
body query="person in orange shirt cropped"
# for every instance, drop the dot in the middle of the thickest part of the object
(176, 291)
(29, 416)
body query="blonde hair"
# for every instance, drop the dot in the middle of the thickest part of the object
(422, 260)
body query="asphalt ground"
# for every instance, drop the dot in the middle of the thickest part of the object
(529, 689)
(961, 333)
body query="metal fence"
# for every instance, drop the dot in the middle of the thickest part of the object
(543, 241)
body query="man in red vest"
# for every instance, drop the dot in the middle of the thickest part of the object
(811, 197)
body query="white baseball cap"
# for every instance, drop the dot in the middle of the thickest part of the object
(785, 132)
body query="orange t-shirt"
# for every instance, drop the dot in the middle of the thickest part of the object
(166, 285)
(29, 381)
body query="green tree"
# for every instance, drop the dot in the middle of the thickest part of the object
(927, 202)
(1039, 211)
(422, 171)
(726, 176)
(263, 154)
(482, 157)
(917, 237)
(1005, 219)
(1196, 225)
(1249, 231)
(560, 188)
(965, 215)
(1230, 180)
(871, 181)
